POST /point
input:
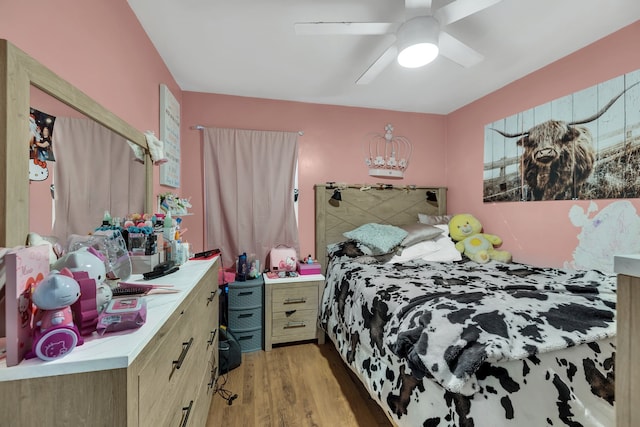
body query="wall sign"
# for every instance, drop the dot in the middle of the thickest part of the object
(170, 135)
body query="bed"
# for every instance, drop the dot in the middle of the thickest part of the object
(439, 342)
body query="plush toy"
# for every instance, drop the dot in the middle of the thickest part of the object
(156, 148)
(466, 231)
(34, 239)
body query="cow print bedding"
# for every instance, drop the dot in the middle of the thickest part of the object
(467, 344)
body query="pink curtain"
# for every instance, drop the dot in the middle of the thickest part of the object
(249, 191)
(94, 173)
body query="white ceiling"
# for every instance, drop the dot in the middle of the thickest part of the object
(249, 48)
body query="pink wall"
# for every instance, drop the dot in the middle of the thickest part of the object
(330, 149)
(536, 232)
(99, 47)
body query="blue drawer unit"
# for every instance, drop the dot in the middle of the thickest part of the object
(246, 314)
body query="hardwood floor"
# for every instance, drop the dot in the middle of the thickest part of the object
(294, 385)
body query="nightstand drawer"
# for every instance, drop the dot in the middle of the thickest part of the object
(240, 320)
(296, 297)
(294, 322)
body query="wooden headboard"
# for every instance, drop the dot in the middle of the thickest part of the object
(395, 206)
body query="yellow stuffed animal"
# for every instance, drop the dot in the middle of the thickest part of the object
(466, 231)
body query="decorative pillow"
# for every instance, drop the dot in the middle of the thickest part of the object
(380, 238)
(419, 233)
(434, 219)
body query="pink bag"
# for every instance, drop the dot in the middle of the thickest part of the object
(283, 258)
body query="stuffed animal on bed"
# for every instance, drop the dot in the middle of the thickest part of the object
(466, 231)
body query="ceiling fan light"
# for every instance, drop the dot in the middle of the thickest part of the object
(418, 41)
(417, 55)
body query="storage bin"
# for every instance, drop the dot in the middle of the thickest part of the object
(144, 263)
(306, 269)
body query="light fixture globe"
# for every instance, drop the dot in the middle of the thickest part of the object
(418, 41)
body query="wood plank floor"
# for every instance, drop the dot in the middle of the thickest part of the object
(295, 385)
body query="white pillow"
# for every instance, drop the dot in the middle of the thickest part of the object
(442, 249)
(416, 251)
(447, 248)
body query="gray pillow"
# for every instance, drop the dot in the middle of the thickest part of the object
(419, 232)
(434, 219)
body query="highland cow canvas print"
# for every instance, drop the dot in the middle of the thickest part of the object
(583, 146)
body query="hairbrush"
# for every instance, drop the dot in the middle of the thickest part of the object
(133, 288)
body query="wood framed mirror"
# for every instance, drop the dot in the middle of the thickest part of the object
(18, 74)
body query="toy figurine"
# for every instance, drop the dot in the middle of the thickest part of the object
(55, 334)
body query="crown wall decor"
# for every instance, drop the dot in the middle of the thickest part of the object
(387, 156)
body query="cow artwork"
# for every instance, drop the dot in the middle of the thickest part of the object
(557, 159)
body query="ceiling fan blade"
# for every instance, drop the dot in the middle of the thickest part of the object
(417, 4)
(348, 28)
(461, 9)
(378, 66)
(455, 50)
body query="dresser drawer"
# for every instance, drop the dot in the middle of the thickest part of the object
(166, 382)
(295, 297)
(240, 320)
(161, 373)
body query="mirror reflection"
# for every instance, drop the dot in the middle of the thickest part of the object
(78, 170)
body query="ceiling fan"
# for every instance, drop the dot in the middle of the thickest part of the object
(422, 34)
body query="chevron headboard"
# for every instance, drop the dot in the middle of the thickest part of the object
(380, 204)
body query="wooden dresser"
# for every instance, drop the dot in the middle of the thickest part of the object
(291, 309)
(161, 374)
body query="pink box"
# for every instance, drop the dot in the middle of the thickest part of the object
(306, 269)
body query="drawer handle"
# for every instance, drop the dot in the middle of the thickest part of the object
(212, 336)
(290, 312)
(185, 348)
(212, 381)
(243, 315)
(211, 297)
(185, 414)
(291, 325)
(241, 294)
(295, 300)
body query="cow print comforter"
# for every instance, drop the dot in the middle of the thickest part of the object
(472, 332)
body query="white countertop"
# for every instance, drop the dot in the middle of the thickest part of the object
(300, 278)
(117, 349)
(627, 264)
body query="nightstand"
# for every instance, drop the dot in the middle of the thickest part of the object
(245, 313)
(291, 309)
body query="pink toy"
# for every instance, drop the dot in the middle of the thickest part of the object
(55, 334)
